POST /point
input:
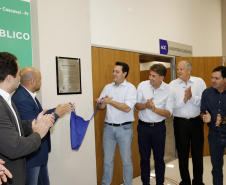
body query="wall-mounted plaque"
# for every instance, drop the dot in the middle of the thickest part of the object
(68, 72)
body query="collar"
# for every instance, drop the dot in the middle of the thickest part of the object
(33, 95)
(5, 95)
(122, 84)
(161, 87)
(191, 79)
(217, 90)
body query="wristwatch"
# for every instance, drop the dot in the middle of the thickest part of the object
(223, 122)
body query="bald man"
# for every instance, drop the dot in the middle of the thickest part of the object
(29, 107)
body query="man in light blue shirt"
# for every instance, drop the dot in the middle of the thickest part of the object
(119, 99)
(188, 126)
(155, 103)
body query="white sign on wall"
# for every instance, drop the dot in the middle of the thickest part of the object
(175, 49)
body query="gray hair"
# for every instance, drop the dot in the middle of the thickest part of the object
(188, 64)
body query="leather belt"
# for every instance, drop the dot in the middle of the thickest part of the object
(188, 119)
(151, 124)
(117, 125)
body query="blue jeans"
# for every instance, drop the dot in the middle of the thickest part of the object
(123, 136)
(217, 143)
(37, 176)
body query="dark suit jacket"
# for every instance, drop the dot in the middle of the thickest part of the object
(14, 147)
(29, 110)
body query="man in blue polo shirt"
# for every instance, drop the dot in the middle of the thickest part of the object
(213, 107)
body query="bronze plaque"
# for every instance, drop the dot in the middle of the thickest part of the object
(68, 75)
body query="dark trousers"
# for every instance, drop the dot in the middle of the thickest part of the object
(217, 143)
(152, 137)
(190, 133)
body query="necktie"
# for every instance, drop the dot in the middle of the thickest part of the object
(39, 105)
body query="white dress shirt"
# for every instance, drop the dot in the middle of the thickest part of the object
(6, 96)
(162, 98)
(191, 108)
(124, 93)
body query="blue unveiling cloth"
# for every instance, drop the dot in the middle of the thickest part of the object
(78, 130)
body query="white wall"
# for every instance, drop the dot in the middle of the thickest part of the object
(138, 25)
(62, 28)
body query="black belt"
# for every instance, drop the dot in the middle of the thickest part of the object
(117, 125)
(188, 119)
(151, 124)
(222, 132)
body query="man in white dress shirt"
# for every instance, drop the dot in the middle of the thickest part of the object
(155, 103)
(119, 99)
(188, 126)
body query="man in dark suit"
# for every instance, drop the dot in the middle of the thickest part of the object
(29, 107)
(17, 137)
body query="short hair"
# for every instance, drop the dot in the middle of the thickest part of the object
(188, 64)
(221, 69)
(160, 69)
(125, 67)
(8, 65)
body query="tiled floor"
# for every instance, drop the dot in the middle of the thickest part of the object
(172, 176)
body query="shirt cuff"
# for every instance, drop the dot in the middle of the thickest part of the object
(56, 116)
(130, 104)
(192, 100)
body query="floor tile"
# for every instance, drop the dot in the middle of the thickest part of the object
(172, 176)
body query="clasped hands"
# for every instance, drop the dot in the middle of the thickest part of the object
(43, 123)
(207, 118)
(4, 172)
(150, 105)
(187, 94)
(105, 100)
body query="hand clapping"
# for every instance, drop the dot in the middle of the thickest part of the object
(187, 94)
(206, 117)
(4, 172)
(150, 104)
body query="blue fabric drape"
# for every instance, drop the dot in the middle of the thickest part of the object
(78, 130)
